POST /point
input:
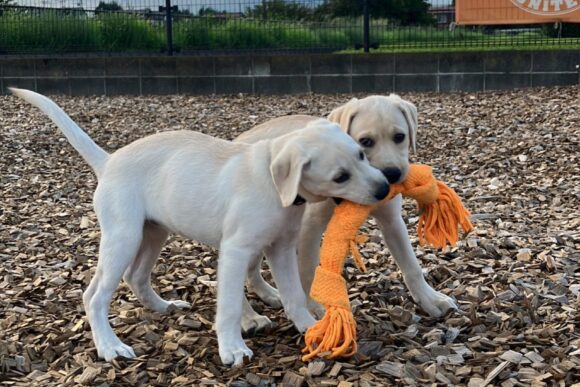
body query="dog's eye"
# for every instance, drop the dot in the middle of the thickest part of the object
(344, 176)
(399, 138)
(366, 142)
(361, 155)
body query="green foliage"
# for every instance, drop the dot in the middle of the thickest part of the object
(296, 37)
(47, 31)
(61, 31)
(342, 8)
(280, 10)
(334, 38)
(107, 7)
(125, 32)
(237, 33)
(208, 11)
(403, 12)
(192, 33)
(56, 31)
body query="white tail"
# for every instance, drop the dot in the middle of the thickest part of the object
(88, 149)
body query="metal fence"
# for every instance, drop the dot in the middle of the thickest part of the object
(210, 26)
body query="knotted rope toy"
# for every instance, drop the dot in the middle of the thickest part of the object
(441, 211)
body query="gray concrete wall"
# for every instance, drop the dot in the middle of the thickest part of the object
(291, 74)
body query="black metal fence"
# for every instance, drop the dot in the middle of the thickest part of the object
(195, 26)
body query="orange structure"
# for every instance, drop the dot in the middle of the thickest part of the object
(472, 12)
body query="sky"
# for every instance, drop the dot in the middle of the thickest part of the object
(193, 5)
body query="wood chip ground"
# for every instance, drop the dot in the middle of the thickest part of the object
(513, 156)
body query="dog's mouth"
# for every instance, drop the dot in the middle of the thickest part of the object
(337, 200)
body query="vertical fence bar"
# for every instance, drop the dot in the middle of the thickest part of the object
(366, 26)
(169, 26)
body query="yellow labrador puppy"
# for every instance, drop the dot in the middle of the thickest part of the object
(237, 197)
(386, 128)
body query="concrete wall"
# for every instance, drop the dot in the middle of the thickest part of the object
(287, 74)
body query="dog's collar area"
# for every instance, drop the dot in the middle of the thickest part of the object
(299, 201)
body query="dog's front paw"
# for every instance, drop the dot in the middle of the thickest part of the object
(436, 304)
(256, 323)
(116, 348)
(440, 305)
(179, 304)
(233, 353)
(303, 320)
(316, 309)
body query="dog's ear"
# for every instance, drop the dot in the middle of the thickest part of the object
(409, 111)
(343, 115)
(286, 169)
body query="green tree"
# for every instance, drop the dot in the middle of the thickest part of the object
(179, 14)
(5, 2)
(405, 12)
(104, 7)
(280, 10)
(208, 11)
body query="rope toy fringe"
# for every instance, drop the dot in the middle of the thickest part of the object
(441, 212)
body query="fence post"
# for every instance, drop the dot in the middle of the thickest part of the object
(366, 26)
(169, 26)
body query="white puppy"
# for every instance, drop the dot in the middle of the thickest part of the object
(237, 197)
(386, 128)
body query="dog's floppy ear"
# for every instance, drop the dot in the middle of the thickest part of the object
(344, 114)
(286, 169)
(409, 111)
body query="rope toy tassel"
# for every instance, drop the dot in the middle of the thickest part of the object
(438, 220)
(336, 332)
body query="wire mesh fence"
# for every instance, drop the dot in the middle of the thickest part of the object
(210, 26)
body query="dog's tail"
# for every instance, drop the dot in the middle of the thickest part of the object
(88, 149)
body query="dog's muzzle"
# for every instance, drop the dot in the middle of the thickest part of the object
(382, 191)
(392, 174)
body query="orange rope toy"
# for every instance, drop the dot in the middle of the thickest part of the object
(441, 213)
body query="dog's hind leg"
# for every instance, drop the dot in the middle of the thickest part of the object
(121, 219)
(138, 274)
(119, 244)
(252, 321)
(316, 217)
(284, 263)
(263, 289)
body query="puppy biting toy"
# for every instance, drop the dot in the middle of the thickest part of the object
(441, 212)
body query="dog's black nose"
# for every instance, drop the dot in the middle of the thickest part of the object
(392, 174)
(382, 191)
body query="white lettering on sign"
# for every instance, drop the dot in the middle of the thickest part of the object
(547, 7)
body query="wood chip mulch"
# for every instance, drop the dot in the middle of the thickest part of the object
(513, 156)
